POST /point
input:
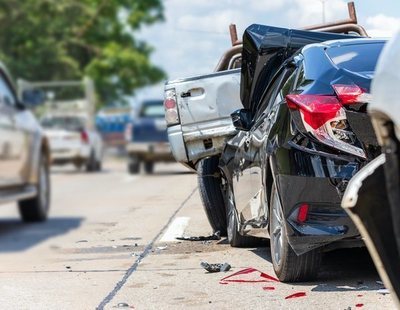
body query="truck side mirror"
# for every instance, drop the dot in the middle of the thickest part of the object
(241, 119)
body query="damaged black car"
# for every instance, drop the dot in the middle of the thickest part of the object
(302, 135)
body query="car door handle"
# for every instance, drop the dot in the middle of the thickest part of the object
(194, 92)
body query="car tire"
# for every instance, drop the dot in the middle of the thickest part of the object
(91, 163)
(234, 237)
(36, 209)
(149, 167)
(99, 165)
(288, 266)
(210, 188)
(134, 164)
(78, 166)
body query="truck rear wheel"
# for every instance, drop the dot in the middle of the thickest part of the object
(149, 167)
(211, 195)
(134, 164)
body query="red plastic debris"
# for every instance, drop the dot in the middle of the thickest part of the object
(296, 295)
(268, 288)
(360, 295)
(262, 277)
(359, 305)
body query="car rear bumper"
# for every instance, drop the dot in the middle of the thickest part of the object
(318, 181)
(155, 151)
(70, 155)
(326, 222)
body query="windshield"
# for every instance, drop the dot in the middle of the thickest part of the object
(357, 57)
(154, 109)
(64, 122)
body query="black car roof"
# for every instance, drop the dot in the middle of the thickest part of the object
(265, 49)
(347, 42)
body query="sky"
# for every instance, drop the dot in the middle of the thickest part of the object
(196, 32)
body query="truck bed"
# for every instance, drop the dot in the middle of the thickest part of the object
(204, 106)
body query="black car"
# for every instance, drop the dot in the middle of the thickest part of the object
(302, 135)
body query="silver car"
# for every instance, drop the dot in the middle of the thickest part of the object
(24, 153)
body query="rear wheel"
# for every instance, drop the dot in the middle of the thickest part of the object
(36, 209)
(234, 237)
(149, 167)
(210, 183)
(134, 164)
(91, 163)
(99, 165)
(78, 165)
(288, 266)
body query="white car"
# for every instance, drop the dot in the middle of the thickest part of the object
(72, 141)
(372, 198)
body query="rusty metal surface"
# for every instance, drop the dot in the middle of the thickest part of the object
(346, 28)
(226, 57)
(234, 35)
(351, 20)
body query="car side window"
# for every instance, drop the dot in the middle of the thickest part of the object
(6, 94)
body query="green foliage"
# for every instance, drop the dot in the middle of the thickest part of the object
(66, 39)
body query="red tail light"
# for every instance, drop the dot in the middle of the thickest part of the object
(325, 118)
(348, 94)
(303, 213)
(171, 109)
(128, 132)
(316, 109)
(84, 136)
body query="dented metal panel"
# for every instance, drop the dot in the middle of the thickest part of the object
(204, 105)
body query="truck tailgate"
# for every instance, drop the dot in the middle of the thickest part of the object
(204, 106)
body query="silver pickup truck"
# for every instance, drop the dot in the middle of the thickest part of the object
(199, 118)
(197, 111)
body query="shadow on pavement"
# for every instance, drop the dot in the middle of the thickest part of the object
(341, 270)
(169, 173)
(73, 171)
(17, 236)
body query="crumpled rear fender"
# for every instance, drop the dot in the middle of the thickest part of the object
(367, 203)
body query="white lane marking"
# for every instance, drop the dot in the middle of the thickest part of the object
(130, 179)
(175, 229)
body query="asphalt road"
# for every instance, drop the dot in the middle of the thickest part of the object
(109, 243)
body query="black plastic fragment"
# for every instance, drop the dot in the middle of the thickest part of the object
(215, 267)
(214, 236)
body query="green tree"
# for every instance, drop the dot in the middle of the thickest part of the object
(44, 40)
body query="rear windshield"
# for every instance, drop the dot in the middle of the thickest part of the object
(357, 57)
(153, 109)
(64, 122)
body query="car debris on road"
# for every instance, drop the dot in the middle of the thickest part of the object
(214, 236)
(215, 267)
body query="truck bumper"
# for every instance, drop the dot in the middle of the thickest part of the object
(159, 151)
(177, 144)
